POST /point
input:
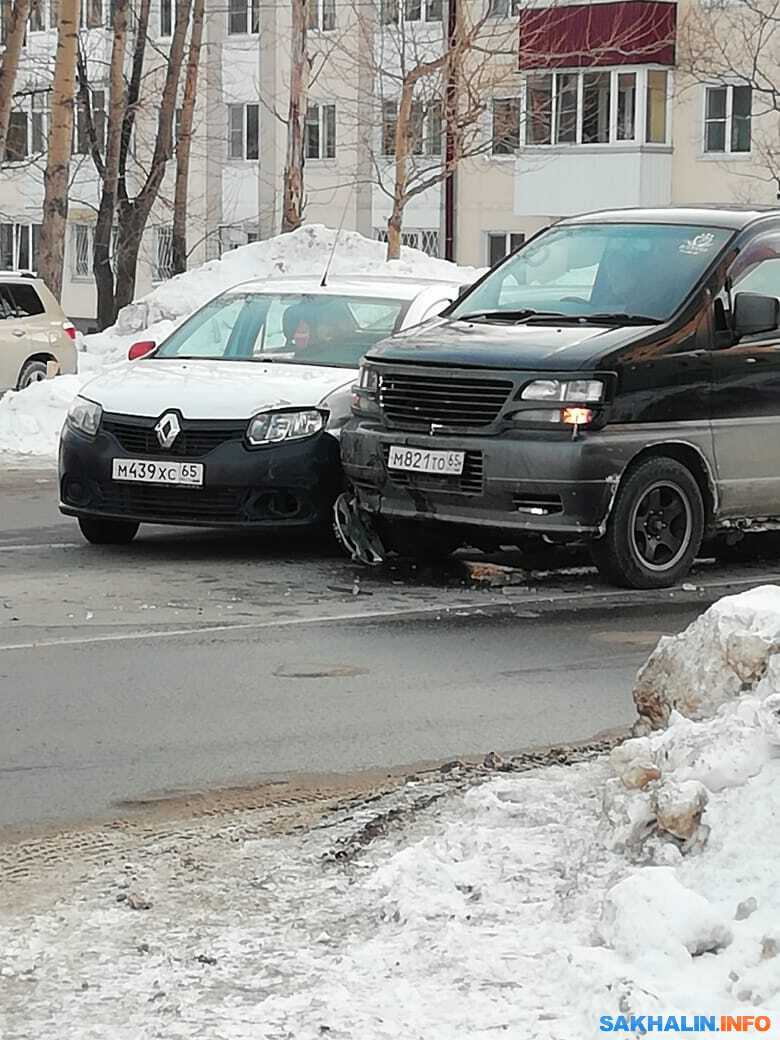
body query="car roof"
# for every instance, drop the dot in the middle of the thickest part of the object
(400, 287)
(18, 276)
(732, 217)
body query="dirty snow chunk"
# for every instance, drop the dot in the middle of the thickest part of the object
(721, 655)
(679, 806)
(651, 913)
(630, 815)
(721, 752)
(769, 717)
(633, 762)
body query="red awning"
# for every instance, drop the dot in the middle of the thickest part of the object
(638, 32)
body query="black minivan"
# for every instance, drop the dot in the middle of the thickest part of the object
(615, 380)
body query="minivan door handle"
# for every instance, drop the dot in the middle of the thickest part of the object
(18, 332)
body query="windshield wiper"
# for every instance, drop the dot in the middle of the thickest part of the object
(616, 318)
(508, 316)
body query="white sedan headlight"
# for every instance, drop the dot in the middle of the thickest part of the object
(85, 415)
(289, 425)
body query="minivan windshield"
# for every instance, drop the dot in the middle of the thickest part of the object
(619, 272)
(293, 328)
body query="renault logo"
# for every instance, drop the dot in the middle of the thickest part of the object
(167, 430)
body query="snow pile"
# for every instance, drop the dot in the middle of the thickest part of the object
(642, 883)
(722, 654)
(30, 421)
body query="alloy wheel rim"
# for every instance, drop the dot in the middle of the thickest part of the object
(660, 526)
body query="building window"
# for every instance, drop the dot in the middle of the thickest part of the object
(425, 239)
(19, 247)
(166, 17)
(243, 131)
(163, 254)
(426, 128)
(388, 12)
(506, 126)
(504, 8)
(322, 14)
(83, 145)
(37, 16)
(243, 17)
(389, 120)
(16, 146)
(321, 132)
(91, 14)
(727, 118)
(434, 12)
(81, 264)
(583, 107)
(501, 244)
(40, 121)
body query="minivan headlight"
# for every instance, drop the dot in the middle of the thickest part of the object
(369, 378)
(581, 390)
(85, 415)
(288, 425)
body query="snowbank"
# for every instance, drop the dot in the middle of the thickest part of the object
(724, 653)
(643, 883)
(30, 421)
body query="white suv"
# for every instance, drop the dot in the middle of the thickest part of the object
(36, 339)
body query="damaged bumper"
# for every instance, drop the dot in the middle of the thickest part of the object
(545, 483)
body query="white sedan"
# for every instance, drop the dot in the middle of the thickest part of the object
(233, 420)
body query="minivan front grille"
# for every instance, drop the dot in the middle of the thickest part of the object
(468, 482)
(462, 401)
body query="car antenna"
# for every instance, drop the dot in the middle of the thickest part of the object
(324, 281)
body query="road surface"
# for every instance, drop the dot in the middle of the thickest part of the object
(194, 660)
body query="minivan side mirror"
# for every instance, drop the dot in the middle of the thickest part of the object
(139, 350)
(754, 313)
(463, 290)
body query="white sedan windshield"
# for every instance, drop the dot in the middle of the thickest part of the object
(310, 329)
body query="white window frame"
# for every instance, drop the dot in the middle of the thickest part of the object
(501, 9)
(321, 105)
(159, 272)
(426, 152)
(728, 86)
(18, 232)
(87, 231)
(251, 12)
(44, 10)
(519, 97)
(507, 242)
(244, 106)
(317, 11)
(640, 111)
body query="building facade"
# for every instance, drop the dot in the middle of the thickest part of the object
(584, 106)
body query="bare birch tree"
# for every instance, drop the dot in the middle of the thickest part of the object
(184, 142)
(60, 144)
(14, 41)
(293, 186)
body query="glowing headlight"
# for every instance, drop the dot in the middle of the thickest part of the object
(580, 390)
(291, 425)
(85, 415)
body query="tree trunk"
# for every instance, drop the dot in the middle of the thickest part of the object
(56, 176)
(134, 214)
(292, 204)
(101, 257)
(14, 41)
(184, 143)
(403, 130)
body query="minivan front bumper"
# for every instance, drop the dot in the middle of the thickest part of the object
(546, 482)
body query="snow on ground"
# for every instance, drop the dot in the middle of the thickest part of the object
(643, 883)
(30, 421)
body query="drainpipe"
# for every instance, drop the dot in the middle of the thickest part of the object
(450, 184)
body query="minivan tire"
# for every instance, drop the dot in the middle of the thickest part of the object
(32, 372)
(655, 529)
(108, 532)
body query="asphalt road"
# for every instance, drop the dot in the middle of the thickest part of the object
(193, 660)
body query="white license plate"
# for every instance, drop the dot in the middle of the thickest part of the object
(145, 471)
(418, 460)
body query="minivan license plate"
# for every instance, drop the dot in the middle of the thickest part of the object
(144, 471)
(417, 460)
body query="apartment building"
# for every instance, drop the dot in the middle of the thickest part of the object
(586, 106)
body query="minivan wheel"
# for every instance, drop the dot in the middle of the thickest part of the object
(655, 529)
(108, 532)
(32, 372)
